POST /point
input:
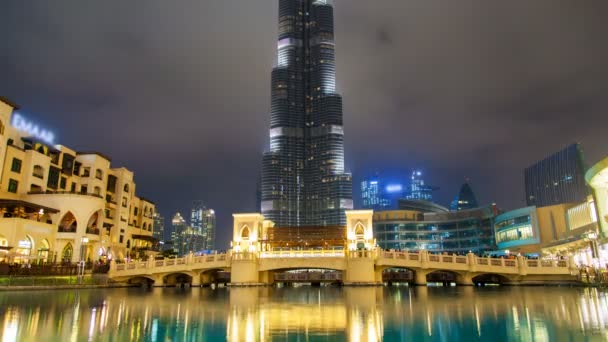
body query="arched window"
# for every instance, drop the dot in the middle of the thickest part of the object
(92, 223)
(126, 188)
(66, 254)
(97, 191)
(68, 223)
(359, 230)
(98, 174)
(128, 243)
(245, 233)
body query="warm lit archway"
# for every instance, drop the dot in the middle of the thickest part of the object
(68, 223)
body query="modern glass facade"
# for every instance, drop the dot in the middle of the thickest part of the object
(517, 228)
(452, 232)
(465, 199)
(557, 179)
(418, 189)
(202, 220)
(377, 194)
(304, 182)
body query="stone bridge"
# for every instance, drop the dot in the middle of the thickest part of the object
(253, 261)
(363, 267)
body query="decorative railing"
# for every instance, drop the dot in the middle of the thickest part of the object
(326, 253)
(51, 192)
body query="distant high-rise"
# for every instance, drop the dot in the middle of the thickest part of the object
(304, 182)
(185, 238)
(202, 221)
(159, 227)
(465, 199)
(557, 179)
(378, 194)
(418, 189)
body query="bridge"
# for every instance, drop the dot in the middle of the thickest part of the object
(359, 262)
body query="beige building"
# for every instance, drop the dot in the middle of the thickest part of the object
(57, 204)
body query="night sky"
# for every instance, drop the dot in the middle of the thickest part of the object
(179, 91)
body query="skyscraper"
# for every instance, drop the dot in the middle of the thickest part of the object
(465, 199)
(202, 221)
(185, 238)
(159, 227)
(303, 178)
(557, 179)
(378, 194)
(418, 189)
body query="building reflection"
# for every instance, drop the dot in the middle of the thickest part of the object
(267, 314)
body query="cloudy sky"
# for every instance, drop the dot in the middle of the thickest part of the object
(178, 91)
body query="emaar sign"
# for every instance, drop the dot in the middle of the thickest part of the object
(22, 124)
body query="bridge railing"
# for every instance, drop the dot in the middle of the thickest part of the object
(151, 263)
(471, 259)
(312, 253)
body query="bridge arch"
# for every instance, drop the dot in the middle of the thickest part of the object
(443, 276)
(490, 278)
(178, 278)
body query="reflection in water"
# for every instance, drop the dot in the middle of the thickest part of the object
(325, 314)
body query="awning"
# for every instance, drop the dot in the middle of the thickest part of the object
(144, 237)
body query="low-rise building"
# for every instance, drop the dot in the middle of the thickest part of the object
(57, 204)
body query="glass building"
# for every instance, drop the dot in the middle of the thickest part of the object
(159, 227)
(185, 238)
(304, 182)
(202, 220)
(377, 194)
(465, 199)
(418, 189)
(452, 232)
(557, 179)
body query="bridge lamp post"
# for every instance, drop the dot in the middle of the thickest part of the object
(591, 236)
(83, 242)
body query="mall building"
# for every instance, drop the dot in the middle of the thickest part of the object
(423, 225)
(60, 205)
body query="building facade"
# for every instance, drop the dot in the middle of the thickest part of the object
(202, 220)
(418, 190)
(159, 228)
(528, 230)
(452, 232)
(557, 179)
(304, 182)
(377, 194)
(61, 205)
(185, 238)
(465, 199)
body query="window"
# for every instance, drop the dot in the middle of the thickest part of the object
(16, 167)
(63, 182)
(98, 174)
(86, 172)
(67, 164)
(126, 188)
(84, 189)
(135, 211)
(12, 186)
(124, 202)
(53, 180)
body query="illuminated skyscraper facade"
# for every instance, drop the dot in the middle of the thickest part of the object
(418, 189)
(303, 178)
(557, 179)
(202, 220)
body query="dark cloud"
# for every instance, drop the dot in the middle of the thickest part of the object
(179, 92)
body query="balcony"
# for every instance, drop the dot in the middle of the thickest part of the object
(51, 192)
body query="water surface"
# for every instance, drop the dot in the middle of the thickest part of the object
(307, 314)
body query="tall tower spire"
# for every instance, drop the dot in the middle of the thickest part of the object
(303, 176)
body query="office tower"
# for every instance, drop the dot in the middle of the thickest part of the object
(418, 189)
(465, 199)
(185, 238)
(557, 179)
(303, 178)
(202, 220)
(159, 227)
(378, 194)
